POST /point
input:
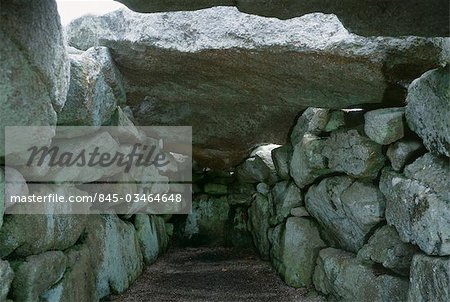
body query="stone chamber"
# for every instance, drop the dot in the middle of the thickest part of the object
(321, 145)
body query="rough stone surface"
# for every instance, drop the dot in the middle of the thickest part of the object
(276, 240)
(385, 247)
(385, 126)
(403, 152)
(308, 163)
(149, 237)
(37, 274)
(346, 209)
(181, 76)
(430, 279)
(342, 275)
(2, 196)
(312, 121)
(15, 185)
(78, 281)
(162, 229)
(259, 215)
(45, 50)
(299, 247)
(116, 256)
(50, 232)
(239, 236)
(95, 90)
(259, 167)
(285, 196)
(263, 188)
(35, 69)
(354, 154)
(299, 212)
(366, 18)
(418, 203)
(336, 120)
(427, 111)
(207, 224)
(6, 277)
(281, 158)
(127, 132)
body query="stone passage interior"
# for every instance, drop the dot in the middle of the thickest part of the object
(320, 150)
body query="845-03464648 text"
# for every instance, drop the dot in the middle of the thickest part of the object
(100, 198)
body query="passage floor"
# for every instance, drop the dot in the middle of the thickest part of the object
(211, 274)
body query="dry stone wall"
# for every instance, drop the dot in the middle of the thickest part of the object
(371, 202)
(64, 257)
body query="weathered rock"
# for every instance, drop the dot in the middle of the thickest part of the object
(259, 215)
(427, 111)
(12, 183)
(403, 152)
(276, 240)
(78, 281)
(430, 279)
(312, 121)
(2, 196)
(366, 18)
(6, 277)
(110, 239)
(263, 188)
(344, 151)
(148, 236)
(95, 90)
(126, 132)
(162, 231)
(299, 212)
(336, 120)
(259, 167)
(418, 203)
(342, 275)
(239, 235)
(15, 184)
(36, 275)
(220, 37)
(385, 247)
(300, 246)
(308, 163)
(50, 232)
(285, 196)
(346, 209)
(208, 222)
(385, 126)
(354, 154)
(45, 50)
(281, 158)
(35, 69)
(240, 193)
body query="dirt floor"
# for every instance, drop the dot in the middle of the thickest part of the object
(211, 274)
